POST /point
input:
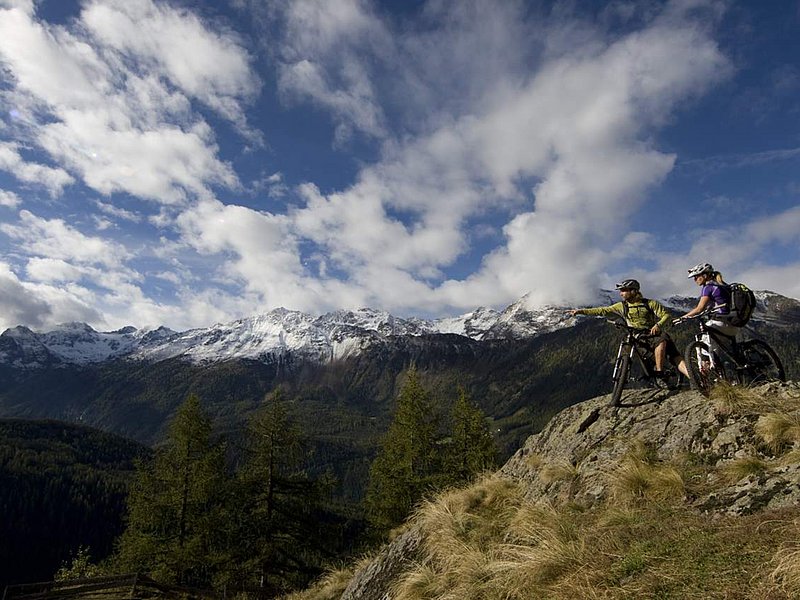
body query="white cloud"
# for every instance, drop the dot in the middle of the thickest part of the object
(52, 179)
(114, 97)
(580, 127)
(212, 66)
(9, 199)
(324, 61)
(53, 238)
(39, 306)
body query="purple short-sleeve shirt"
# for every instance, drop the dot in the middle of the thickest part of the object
(719, 298)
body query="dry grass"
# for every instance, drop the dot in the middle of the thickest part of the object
(743, 467)
(779, 430)
(534, 460)
(786, 573)
(612, 552)
(330, 586)
(731, 399)
(559, 471)
(640, 476)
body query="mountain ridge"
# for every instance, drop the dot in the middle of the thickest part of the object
(325, 338)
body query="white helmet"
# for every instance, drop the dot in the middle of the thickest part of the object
(700, 269)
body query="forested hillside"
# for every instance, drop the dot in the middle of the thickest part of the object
(62, 487)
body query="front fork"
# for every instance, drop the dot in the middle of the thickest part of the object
(707, 359)
(621, 351)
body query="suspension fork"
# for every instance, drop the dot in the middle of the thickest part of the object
(621, 351)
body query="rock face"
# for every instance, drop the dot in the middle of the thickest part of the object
(572, 458)
(374, 580)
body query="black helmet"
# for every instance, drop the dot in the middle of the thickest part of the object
(700, 269)
(628, 284)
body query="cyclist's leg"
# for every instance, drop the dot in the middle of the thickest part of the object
(660, 355)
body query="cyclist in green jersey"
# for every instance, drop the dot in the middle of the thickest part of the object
(649, 317)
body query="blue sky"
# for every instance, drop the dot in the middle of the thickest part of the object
(186, 163)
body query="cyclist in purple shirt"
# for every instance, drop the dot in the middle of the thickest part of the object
(714, 295)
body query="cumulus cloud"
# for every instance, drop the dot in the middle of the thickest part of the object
(114, 97)
(9, 199)
(529, 157)
(323, 61)
(53, 238)
(52, 179)
(572, 142)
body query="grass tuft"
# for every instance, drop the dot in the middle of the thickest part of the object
(559, 471)
(640, 476)
(779, 430)
(729, 399)
(330, 586)
(743, 467)
(786, 573)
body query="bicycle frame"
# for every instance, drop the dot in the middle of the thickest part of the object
(635, 348)
(714, 356)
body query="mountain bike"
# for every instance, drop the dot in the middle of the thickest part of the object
(635, 362)
(714, 356)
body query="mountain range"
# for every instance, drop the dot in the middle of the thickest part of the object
(281, 333)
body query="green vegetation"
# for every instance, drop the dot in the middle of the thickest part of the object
(417, 456)
(175, 508)
(259, 524)
(62, 488)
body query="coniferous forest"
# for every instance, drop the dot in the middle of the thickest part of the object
(208, 512)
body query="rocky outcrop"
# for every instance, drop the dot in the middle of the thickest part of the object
(571, 459)
(374, 580)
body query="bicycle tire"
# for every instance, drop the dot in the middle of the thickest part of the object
(763, 364)
(621, 378)
(701, 378)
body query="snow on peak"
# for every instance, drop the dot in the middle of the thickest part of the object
(282, 332)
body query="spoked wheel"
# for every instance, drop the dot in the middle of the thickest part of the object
(621, 372)
(761, 362)
(702, 376)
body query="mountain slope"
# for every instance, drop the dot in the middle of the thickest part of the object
(62, 486)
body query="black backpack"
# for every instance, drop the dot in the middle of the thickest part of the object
(742, 304)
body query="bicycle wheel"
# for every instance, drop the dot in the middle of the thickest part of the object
(621, 372)
(761, 362)
(698, 362)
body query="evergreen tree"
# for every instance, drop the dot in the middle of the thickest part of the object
(406, 466)
(271, 516)
(472, 448)
(174, 530)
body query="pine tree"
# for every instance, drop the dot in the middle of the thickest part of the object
(406, 466)
(174, 530)
(271, 515)
(472, 448)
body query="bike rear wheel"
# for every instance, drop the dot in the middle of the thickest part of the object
(702, 376)
(621, 372)
(761, 362)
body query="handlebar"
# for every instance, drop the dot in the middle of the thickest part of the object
(679, 320)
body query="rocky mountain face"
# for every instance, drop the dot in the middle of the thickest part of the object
(281, 333)
(740, 461)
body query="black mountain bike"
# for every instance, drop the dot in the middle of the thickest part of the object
(714, 356)
(636, 363)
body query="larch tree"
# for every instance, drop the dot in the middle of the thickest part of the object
(407, 465)
(174, 530)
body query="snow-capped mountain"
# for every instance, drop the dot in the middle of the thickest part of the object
(281, 332)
